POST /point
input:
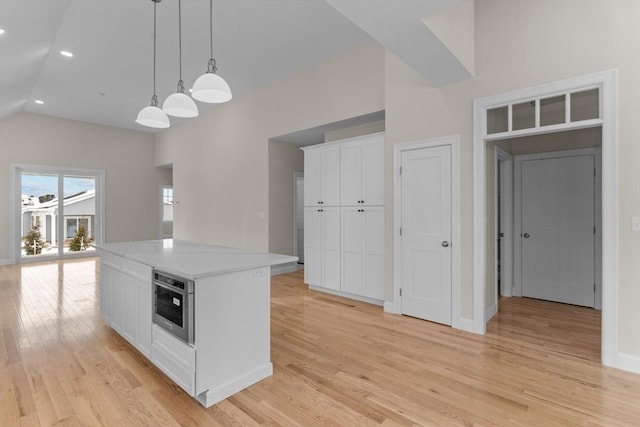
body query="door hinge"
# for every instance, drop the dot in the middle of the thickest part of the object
(594, 288)
(400, 291)
(400, 170)
(401, 231)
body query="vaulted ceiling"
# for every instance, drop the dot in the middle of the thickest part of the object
(256, 42)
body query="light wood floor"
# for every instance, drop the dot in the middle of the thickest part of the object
(336, 362)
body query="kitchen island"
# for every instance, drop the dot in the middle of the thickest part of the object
(230, 349)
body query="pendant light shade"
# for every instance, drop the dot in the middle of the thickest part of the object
(152, 116)
(210, 87)
(179, 104)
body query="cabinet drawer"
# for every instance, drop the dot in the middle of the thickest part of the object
(168, 364)
(137, 270)
(110, 260)
(183, 355)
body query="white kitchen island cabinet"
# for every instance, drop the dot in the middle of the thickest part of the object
(231, 346)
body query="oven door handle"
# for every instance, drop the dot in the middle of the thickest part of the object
(170, 288)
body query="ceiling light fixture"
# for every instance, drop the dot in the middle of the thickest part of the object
(179, 104)
(1, 31)
(66, 53)
(152, 116)
(210, 87)
(39, 102)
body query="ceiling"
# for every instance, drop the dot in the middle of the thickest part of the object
(256, 42)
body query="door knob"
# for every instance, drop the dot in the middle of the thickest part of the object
(525, 235)
(445, 244)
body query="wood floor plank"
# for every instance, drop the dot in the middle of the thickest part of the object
(336, 362)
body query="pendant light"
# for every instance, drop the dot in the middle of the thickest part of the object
(179, 104)
(152, 116)
(210, 87)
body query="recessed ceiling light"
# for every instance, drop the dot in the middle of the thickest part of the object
(38, 101)
(1, 31)
(66, 53)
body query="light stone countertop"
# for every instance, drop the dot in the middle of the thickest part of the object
(193, 260)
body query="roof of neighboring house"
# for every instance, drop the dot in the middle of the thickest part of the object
(53, 204)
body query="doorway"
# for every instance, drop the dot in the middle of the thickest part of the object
(57, 213)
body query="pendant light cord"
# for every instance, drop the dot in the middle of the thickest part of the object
(180, 35)
(154, 46)
(211, 25)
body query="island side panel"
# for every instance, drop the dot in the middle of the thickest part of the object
(232, 335)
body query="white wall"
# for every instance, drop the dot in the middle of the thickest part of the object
(521, 43)
(132, 181)
(220, 159)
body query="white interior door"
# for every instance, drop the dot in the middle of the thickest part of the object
(426, 233)
(558, 229)
(299, 218)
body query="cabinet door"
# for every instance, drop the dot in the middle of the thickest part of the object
(312, 178)
(313, 246)
(331, 176)
(352, 250)
(373, 171)
(373, 252)
(106, 290)
(129, 304)
(144, 316)
(117, 297)
(331, 247)
(351, 173)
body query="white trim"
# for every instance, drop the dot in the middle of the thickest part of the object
(16, 219)
(506, 213)
(457, 321)
(390, 307)
(607, 82)
(6, 261)
(340, 293)
(289, 267)
(628, 362)
(491, 311)
(517, 287)
(296, 175)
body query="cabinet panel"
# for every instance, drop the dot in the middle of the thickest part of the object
(144, 317)
(312, 178)
(373, 171)
(351, 173)
(106, 290)
(352, 250)
(331, 176)
(313, 246)
(117, 297)
(129, 309)
(331, 248)
(373, 252)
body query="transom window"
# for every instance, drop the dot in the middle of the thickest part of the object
(558, 110)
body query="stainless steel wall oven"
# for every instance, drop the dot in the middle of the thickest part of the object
(173, 305)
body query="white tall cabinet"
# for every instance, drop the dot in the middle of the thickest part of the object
(345, 217)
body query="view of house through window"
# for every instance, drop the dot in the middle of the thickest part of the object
(52, 225)
(167, 212)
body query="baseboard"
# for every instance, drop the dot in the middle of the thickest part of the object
(347, 295)
(284, 268)
(390, 307)
(5, 261)
(490, 312)
(463, 324)
(211, 397)
(627, 362)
